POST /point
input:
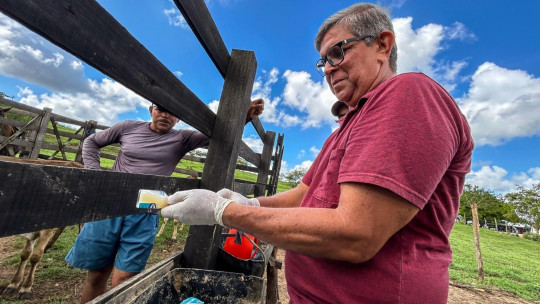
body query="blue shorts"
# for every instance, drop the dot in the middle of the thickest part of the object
(125, 241)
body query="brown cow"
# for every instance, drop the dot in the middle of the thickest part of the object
(7, 131)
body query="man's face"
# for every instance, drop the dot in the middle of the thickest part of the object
(162, 121)
(355, 76)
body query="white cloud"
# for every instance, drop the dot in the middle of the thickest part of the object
(262, 88)
(74, 95)
(303, 166)
(214, 106)
(301, 154)
(496, 179)
(104, 103)
(254, 142)
(418, 48)
(502, 104)
(175, 17)
(393, 3)
(25, 55)
(314, 151)
(284, 167)
(460, 32)
(314, 99)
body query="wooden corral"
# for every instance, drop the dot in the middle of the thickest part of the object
(35, 197)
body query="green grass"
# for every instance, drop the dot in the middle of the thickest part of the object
(510, 263)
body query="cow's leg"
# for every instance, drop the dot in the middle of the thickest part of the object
(35, 258)
(175, 231)
(182, 227)
(165, 220)
(25, 255)
(54, 238)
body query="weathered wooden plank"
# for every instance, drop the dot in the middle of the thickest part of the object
(248, 154)
(246, 168)
(21, 106)
(18, 142)
(244, 188)
(203, 241)
(264, 165)
(89, 32)
(54, 147)
(16, 123)
(35, 197)
(41, 131)
(187, 172)
(199, 19)
(276, 166)
(22, 109)
(65, 134)
(256, 122)
(194, 158)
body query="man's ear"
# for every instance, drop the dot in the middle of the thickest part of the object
(385, 43)
(150, 109)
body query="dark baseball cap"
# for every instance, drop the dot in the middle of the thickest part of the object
(335, 107)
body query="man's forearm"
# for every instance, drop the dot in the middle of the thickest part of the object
(288, 199)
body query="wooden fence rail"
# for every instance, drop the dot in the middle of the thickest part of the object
(85, 128)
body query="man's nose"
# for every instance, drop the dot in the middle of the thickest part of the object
(328, 68)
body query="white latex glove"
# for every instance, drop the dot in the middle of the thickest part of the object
(196, 207)
(238, 198)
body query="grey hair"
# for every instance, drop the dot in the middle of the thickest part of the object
(361, 19)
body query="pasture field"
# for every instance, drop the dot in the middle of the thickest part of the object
(510, 263)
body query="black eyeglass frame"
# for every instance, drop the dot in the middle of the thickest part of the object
(322, 62)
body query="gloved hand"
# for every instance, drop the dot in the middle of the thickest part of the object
(196, 207)
(238, 198)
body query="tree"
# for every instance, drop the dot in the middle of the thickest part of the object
(294, 177)
(489, 205)
(527, 204)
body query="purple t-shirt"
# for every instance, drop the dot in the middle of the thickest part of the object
(411, 138)
(143, 150)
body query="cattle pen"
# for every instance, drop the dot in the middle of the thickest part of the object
(35, 197)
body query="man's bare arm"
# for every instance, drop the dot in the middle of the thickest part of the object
(365, 219)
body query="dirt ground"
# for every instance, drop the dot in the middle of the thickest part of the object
(69, 291)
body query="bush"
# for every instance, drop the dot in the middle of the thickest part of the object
(532, 236)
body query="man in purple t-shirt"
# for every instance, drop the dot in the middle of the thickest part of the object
(121, 246)
(371, 219)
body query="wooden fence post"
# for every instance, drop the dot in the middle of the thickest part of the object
(203, 242)
(276, 166)
(40, 134)
(476, 231)
(264, 165)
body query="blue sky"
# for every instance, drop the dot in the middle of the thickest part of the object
(485, 53)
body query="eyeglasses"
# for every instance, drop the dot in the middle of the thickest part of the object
(336, 54)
